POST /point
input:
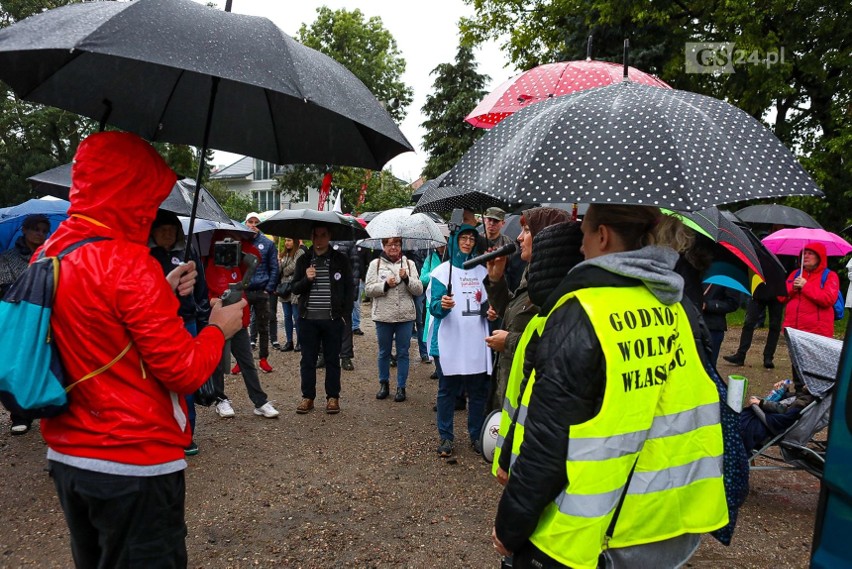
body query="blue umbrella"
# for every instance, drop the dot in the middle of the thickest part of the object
(12, 218)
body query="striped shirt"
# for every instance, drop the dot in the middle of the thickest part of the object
(319, 299)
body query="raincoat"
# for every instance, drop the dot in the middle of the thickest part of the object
(811, 309)
(113, 305)
(218, 278)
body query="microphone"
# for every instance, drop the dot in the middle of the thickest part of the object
(482, 259)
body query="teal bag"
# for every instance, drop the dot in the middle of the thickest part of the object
(32, 381)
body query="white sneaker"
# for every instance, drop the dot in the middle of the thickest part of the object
(224, 409)
(267, 410)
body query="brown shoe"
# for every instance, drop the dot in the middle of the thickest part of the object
(332, 407)
(305, 406)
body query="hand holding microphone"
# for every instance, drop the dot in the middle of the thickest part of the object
(507, 249)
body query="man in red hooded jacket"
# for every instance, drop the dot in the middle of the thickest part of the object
(116, 455)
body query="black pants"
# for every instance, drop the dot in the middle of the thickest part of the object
(123, 521)
(312, 333)
(259, 301)
(754, 315)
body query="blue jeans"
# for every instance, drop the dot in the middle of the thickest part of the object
(476, 386)
(356, 307)
(291, 319)
(385, 333)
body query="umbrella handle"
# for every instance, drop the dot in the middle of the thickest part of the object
(626, 51)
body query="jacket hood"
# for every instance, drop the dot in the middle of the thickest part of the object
(819, 249)
(168, 218)
(119, 180)
(458, 257)
(653, 265)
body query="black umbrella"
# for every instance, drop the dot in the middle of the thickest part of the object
(299, 224)
(179, 71)
(777, 214)
(56, 182)
(437, 198)
(631, 144)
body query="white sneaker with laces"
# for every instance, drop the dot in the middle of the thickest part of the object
(267, 410)
(224, 409)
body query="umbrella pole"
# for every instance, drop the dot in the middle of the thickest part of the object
(213, 88)
(626, 50)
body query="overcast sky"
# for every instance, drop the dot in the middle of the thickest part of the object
(426, 35)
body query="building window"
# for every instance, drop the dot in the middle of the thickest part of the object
(264, 200)
(262, 170)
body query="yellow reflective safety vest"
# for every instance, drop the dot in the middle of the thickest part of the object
(656, 441)
(513, 397)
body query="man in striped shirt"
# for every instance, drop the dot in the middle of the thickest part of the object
(323, 281)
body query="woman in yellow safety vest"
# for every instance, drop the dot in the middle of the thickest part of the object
(617, 454)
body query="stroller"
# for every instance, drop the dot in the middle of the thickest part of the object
(815, 359)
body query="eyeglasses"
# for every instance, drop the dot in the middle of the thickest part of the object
(469, 238)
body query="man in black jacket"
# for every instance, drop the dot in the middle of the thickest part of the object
(323, 281)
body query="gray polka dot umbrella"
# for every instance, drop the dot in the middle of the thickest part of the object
(436, 197)
(630, 144)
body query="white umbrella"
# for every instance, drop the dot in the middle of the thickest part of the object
(418, 230)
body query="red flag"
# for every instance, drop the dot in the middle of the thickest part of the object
(324, 191)
(363, 195)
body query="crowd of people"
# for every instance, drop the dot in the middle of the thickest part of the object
(595, 331)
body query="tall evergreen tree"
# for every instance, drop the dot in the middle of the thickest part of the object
(458, 88)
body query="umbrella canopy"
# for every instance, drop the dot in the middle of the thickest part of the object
(735, 245)
(153, 67)
(299, 224)
(57, 182)
(815, 357)
(630, 144)
(12, 218)
(438, 198)
(203, 229)
(418, 230)
(777, 214)
(791, 241)
(551, 80)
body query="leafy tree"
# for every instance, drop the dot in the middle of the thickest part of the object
(370, 52)
(457, 89)
(805, 99)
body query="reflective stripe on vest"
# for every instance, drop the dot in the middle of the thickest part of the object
(659, 417)
(513, 394)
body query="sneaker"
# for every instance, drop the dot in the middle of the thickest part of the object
(332, 406)
(477, 446)
(224, 409)
(276, 346)
(735, 359)
(400, 395)
(20, 428)
(346, 363)
(383, 390)
(254, 345)
(768, 364)
(191, 450)
(288, 347)
(445, 449)
(264, 365)
(357, 332)
(305, 406)
(267, 410)
(320, 362)
(235, 370)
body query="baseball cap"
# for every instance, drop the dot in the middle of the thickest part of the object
(495, 213)
(253, 214)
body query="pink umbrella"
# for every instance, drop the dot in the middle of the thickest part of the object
(552, 80)
(791, 241)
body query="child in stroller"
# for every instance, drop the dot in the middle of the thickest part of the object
(778, 416)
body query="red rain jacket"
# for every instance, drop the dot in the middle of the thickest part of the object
(112, 293)
(812, 308)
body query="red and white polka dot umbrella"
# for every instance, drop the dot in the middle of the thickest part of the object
(552, 80)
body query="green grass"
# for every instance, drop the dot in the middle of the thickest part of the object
(737, 318)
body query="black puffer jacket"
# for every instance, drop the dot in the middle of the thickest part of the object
(570, 383)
